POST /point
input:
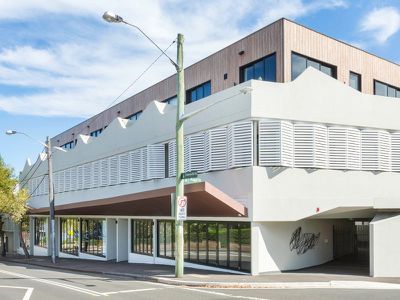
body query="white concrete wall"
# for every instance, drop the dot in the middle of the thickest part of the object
(111, 238)
(384, 245)
(271, 245)
(122, 239)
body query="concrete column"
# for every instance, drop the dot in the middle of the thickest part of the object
(122, 240)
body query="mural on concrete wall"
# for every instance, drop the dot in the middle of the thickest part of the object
(302, 242)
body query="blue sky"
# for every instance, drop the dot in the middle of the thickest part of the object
(61, 63)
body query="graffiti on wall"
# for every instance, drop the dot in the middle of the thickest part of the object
(302, 242)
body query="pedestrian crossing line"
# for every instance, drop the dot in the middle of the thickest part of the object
(130, 291)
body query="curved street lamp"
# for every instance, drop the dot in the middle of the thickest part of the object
(48, 148)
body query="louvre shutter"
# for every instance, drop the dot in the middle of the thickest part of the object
(55, 182)
(79, 177)
(194, 159)
(395, 139)
(186, 150)
(155, 161)
(240, 144)
(353, 149)
(61, 180)
(215, 147)
(376, 150)
(46, 184)
(87, 176)
(171, 159)
(143, 164)
(104, 172)
(310, 145)
(135, 163)
(113, 167)
(124, 168)
(96, 174)
(67, 180)
(73, 179)
(275, 143)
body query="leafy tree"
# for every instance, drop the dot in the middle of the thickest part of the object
(13, 202)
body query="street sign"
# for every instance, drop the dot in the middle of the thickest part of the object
(192, 180)
(182, 208)
(191, 174)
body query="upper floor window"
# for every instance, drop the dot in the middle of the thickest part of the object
(173, 100)
(263, 69)
(355, 81)
(135, 116)
(300, 63)
(383, 89)
(69, 145)
(199, 92)
(96, 132)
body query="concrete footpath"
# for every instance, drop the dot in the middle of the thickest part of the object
(331, 275)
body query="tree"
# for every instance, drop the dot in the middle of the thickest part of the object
(13, 202)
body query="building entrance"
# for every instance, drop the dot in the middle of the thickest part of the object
(351, 241)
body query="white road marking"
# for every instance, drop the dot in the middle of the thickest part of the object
(45, 281)
(28, 292)
(130, 291)
(223, 294)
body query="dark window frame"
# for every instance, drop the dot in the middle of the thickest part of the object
(70, 223)
(322, 63)
(135, 116)
(41, 232)
(87, 242)
(397, 89)
(189, 92)
(96, 133)
(243, 68)
(359, 80)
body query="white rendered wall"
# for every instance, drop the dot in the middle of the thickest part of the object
(122, 240)
(271, 245)
(384, 245)
(111, 239)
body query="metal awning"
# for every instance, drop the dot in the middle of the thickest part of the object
(204, 200)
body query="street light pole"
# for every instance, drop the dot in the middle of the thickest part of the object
(51, 201)
(179, 192)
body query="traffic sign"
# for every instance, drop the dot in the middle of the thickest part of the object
(182, 208)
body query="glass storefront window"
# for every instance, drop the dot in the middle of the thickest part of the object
(93, 236)
(142, 236)
(69, 235)
(41, 232)
(166, 239)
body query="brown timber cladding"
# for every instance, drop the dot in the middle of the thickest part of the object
(281, 37)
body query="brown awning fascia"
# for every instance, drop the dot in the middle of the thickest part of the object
(204, 200)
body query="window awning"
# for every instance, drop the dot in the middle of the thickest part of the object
(204, 200)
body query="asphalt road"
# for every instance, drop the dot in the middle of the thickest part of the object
(33, 283)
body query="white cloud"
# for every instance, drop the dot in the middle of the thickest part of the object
(85, 63)
(381, 23)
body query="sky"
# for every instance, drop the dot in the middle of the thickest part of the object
(61, 63)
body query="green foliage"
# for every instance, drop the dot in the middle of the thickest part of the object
(12, 202)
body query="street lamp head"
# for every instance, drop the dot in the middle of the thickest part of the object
(11, 132)
(111, 17)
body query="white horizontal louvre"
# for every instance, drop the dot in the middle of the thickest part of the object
(104, 172)
(123, 162)
(344, 148)
(67, 180)
(55, 182)
(155, 161)
(275, 143)
(135, 159)
(79, 177)
(310, 145)
(143, 163)
(171, 159)
(113, 165)
(215, 147)
(46, 184)
(240, 144)
(32, 186)
(353, 149)
(196, 153)
(96, 174)
(87, 176)
(61, 179)
(186, 150)
(73, 178)
(395, 139)
(375, 150)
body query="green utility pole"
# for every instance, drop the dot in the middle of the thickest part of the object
(179, 158)
(51, 202)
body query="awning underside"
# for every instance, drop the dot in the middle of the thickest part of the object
(204, 200)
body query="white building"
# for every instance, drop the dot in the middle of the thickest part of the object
(289, 171)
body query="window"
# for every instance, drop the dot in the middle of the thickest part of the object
(173, 100)
(199, 92)
(355, 81)
(166, 239)
(41, 232)
(142, 236)
(300, 63)
(69, 236)
(383, 89)
(223, 244)
(69, 145)
(92, 239)
(264, 69)
(96, 133)
(135, 116)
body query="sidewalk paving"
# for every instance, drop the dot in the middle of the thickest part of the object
(331, 275)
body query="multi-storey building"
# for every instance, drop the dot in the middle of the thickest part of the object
(298, 165)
